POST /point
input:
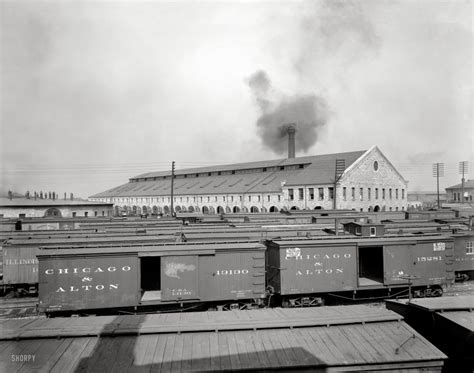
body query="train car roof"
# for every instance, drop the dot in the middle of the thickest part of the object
(81, 240)
(363, 240)
(182, 249)
(253, 340)
(441, 304)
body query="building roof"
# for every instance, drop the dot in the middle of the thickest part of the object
(24, 202)
(467, 184)
(248, 177)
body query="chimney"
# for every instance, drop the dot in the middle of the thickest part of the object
(291, 130)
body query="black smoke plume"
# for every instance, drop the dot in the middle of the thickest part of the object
(308, 111)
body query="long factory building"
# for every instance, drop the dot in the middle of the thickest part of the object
(366, 181)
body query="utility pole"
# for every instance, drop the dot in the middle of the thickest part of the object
(338, 171)
(172, 188)
(463, 170)
(438, 171)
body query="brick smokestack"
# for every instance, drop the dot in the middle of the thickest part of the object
(291, 130)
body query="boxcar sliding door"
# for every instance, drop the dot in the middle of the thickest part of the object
(397, 263)
(179, 277)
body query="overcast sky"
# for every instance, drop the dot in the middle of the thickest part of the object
(93, 93)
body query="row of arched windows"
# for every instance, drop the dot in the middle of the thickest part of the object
(166, 210)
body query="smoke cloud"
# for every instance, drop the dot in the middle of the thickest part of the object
(308, 111)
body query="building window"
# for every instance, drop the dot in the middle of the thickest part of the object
(331, 192)
(103, 213)
(376, 166)
(223, 198)
(390, 193)
(208, 199)
(215, 198)
(250, 198)
(361, 194)
(396, 193)
(258, 198)
(403, 193)
(279, 198)
(268, 198)
(353, 193)
(311, 194)
(376, 193)
(291, 196)
(369, 193)
(73, 214)
(383, 193)
(373, 231)
(320, 194)
(240, 198)
(344, 193)
(300, 193)
(231, 198)
(95, 213)
(86, 214)
(469, 248)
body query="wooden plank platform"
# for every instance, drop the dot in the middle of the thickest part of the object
(193, 322)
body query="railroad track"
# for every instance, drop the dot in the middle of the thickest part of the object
(18, 307)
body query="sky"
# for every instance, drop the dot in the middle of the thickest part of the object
(95, 92)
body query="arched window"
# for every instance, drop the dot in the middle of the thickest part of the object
(236, 209)
(273, 209)
(53, 211)
(254, 209)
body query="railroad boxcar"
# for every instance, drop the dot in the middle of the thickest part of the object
(19, 265)
(176, 276)
(464, 255)
(303, 272)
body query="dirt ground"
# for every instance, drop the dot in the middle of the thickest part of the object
(460, 288)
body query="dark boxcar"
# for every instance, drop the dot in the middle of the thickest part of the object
(151, 276)
(329, 265)
(464, 255)
(297, 267)
(74, 283)
(20, 266)
(426, 261)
